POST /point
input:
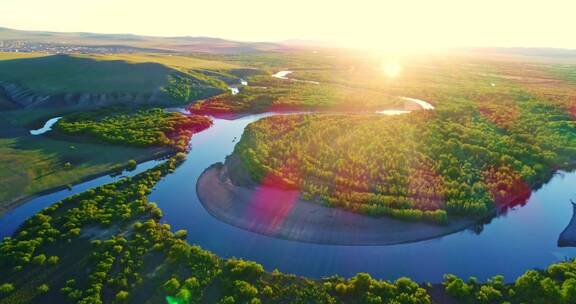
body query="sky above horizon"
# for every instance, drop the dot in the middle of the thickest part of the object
(373, 24)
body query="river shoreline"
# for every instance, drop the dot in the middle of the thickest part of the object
(393, 110)
(6, 207)
(282, 214)
(482, 250)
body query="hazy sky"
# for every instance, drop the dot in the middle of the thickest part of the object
(394, 24)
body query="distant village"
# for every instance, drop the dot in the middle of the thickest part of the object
(22, 46)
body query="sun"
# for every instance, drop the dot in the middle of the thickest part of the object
(392, 69)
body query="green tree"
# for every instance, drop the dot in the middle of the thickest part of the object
(171, 286)
(122, 296)
(44, 288)
(6, 288)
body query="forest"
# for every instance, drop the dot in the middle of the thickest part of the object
(151, 127)
(108, 245)
(115, 234)
(473, 156)
(267, 94)
(555, 284)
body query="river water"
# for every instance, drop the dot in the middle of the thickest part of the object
(284, 75)
(10, 221)
(47, 126)
(524, 238)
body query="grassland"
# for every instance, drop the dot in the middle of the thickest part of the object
(176, 61)
(30, 165)
(71, 74)
(23, 120)
(85, 144)
(6, 103)
(136, 78)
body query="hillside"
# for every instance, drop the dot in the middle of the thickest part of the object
(57, 80)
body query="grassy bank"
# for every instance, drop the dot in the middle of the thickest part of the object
(95, 143)
(34, 164)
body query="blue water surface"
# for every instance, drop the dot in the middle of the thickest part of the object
(524, 238)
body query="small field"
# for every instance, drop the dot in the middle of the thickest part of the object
(32, 164)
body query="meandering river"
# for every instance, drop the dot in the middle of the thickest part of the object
(523, 238)
(510, 244)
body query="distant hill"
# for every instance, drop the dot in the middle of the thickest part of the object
(172, 44)
(524, 53)
(189, 44)
(308, 43)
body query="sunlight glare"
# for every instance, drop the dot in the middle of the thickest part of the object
(392, 69)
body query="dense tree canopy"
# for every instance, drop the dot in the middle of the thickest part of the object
(421, 166)
(113, 235)
(269, 94)
(153, 127)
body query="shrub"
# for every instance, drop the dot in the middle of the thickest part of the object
(44, 288)
(6, 288)
(131, 165)
(181, 234)
(53, 260)
(122, 296)
(171, 286)
(39, 259)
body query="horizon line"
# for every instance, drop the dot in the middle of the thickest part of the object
(320, 42)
